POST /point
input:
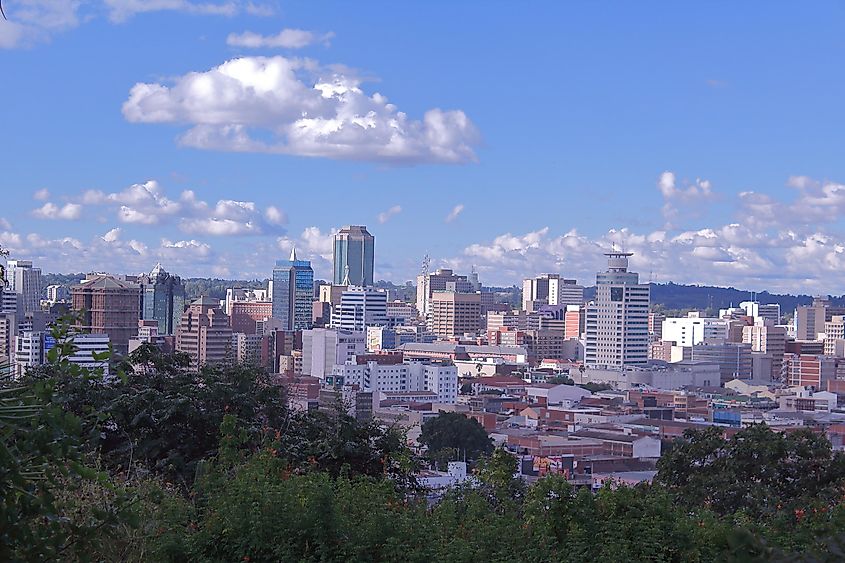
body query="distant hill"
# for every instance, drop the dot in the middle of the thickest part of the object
(678, 296)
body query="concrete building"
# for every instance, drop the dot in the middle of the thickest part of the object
(441, 280)
(359, 308)
(770, 340)
(453, 314)
(353, 256)
(834, 336)
(734, 359)
(809, 370)
(322, 349)
(246, 316)
(617, 322)
(693, 329)
(108, 305)
(809, 322)
(658, 375)
(204, 333)
(655, 326)
(25, 280)
(438, 378)
(550, 289)
(769, 312)
(293, 293)
(56, 293)
(28, 352)
(248, 348)
(574, 321)
(250, 295)
(164, 299)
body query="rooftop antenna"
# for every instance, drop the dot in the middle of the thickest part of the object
(426, 264)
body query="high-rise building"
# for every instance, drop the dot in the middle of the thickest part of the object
(441, 280)
(245, 316)
(734, 358)
(322, 349)
(693, 329)
(204, 333)
(769, 312)
(293, 293)
(163, 299)
(353, 256)
(617, 322)
(359, 308)
(809, 321)
(834, 341)
(550, 289)
(452, 314)
(108, 306)
(655, 326)
(25, 281)
(57, 293)
(809, 370)
(768, 339)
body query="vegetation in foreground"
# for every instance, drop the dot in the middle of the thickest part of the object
(160, 464)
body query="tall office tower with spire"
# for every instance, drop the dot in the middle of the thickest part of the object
(354, 251)
(293, 293)
(163, 297)
(617, 322)
(25, 281)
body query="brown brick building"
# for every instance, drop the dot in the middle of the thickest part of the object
(110, 306)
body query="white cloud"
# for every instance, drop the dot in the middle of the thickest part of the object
(275, 216)
(122, 10)
(689, 195)
(457, 210)
(285, 39)
(312, 244)
(69, 211)
(42, 194)
(112, 235)
(34, 21)
(4, 224)
(385, 216)
(218, 227)
(294, 106)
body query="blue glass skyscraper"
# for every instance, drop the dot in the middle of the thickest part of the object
(293, 293)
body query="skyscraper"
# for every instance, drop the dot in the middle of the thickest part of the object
(359, 308)
(550, 289)
(163, 299)
(108, 306)
(617, 322)
(204, 333)
(354, 249)
(25, 281)
(293, 293)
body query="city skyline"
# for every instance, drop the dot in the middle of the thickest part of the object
(622, 141)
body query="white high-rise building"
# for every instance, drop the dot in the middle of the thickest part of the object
(359, 308)
(770, 312)
(550, 289)
(28, 353)
(693, 330)
(617, 322)
(25, 281)
(441, 280)
(322, 349)
(398, 378)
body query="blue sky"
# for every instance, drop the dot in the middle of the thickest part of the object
(705, 138)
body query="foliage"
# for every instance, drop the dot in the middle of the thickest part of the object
(595, 387)
(452, 435)
(560, 380)
(42, 462)
(757, 471)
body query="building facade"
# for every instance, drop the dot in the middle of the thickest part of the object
(617, 322)
(359, 308)
(452, 314)
(204, 333)
(293, 293)
(353, 256)
(108, 305)
(25, 280)
(163, 299)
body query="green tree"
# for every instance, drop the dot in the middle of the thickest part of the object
(452, 435)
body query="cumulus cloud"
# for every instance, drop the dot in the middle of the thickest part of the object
(69, 211)
(112, 235)
(147, 203)
(684, 194)
(285, 39)
(34, 21)
(385, 216)
(42, 194)
(457, 210)
(295, 106)
(312, 244)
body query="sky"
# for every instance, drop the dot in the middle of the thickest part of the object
(513, 137)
